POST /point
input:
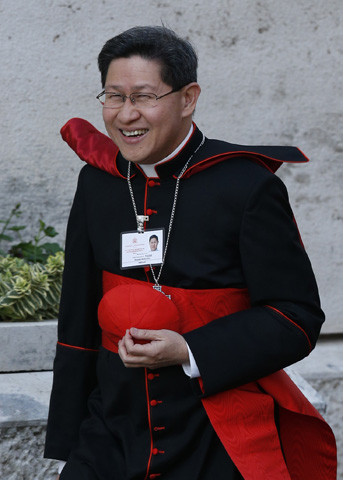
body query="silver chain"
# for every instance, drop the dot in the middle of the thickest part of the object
(176, 193)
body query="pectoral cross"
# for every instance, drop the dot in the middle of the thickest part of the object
(159, 289)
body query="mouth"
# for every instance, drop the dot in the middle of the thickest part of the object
(134, 133)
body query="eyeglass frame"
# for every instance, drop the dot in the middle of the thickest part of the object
(124, 97)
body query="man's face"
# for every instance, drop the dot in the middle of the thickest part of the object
(159, 130)
(153, 244)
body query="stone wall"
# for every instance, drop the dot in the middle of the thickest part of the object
(270, 73)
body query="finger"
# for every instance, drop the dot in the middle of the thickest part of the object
(122, 350)
(127, 341)
(138, 348)
(129, 360)
(132, 353)
(145, 335)
(125, 346)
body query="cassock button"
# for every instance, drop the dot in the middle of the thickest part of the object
(155, 451)
(153, 403)
(150, 211)
(151, 376)
(152, 183)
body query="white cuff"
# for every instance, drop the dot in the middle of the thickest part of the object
(61, 466)
(191, 368)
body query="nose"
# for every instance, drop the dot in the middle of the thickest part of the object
(128, 112)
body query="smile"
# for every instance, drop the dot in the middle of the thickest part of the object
(134, 133)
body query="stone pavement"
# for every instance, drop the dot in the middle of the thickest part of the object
(24, 400)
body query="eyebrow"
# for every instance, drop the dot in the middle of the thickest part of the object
(136, 88)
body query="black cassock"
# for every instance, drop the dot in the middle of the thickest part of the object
(233, 228)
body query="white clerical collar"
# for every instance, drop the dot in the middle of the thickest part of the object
(150, 171)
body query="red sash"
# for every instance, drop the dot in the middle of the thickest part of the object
(243, 417)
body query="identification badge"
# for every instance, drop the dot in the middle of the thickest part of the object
(141, 249)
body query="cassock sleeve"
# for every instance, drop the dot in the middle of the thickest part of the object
(285, 317)
(78, 336)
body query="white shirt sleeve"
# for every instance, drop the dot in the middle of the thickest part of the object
(191, 368)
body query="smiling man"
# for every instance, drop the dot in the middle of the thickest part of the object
(153, 242)
(146, 135)
(174, 371)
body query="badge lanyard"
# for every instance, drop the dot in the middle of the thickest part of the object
(140, 219)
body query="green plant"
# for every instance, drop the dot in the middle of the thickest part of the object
(30, 272)
(15, 212)
(32, 250)
(30, 291)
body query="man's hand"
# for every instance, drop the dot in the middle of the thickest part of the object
(156, 348)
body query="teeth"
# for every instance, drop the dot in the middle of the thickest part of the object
(135, 133)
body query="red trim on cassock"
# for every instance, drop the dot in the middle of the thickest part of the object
(145, 202)
(210, 161)
(295, 324)
(150, 429)
(270, 163)
(243, 417)
(77, 348)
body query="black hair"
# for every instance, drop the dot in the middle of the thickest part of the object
(176, 55)
(153, 236)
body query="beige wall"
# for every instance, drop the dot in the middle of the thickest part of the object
(271, 72)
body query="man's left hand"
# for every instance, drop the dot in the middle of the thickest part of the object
(152, 348)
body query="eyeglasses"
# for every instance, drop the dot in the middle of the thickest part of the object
(139, 99)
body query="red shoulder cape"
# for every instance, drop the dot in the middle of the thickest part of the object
(99, 150)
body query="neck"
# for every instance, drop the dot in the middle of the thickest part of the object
(150, 171)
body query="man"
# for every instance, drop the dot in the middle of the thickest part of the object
(173, 371)
(153, 242)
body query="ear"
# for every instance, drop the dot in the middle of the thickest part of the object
(190, 95)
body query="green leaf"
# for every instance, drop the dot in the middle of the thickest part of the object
(50, 232)
(51, 248)
(29, 306)
(7, 238)
(17, 228)
(19, 311)
(6, 301)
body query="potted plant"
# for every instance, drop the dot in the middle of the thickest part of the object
(30, 286)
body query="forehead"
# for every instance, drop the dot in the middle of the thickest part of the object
(134, 72)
